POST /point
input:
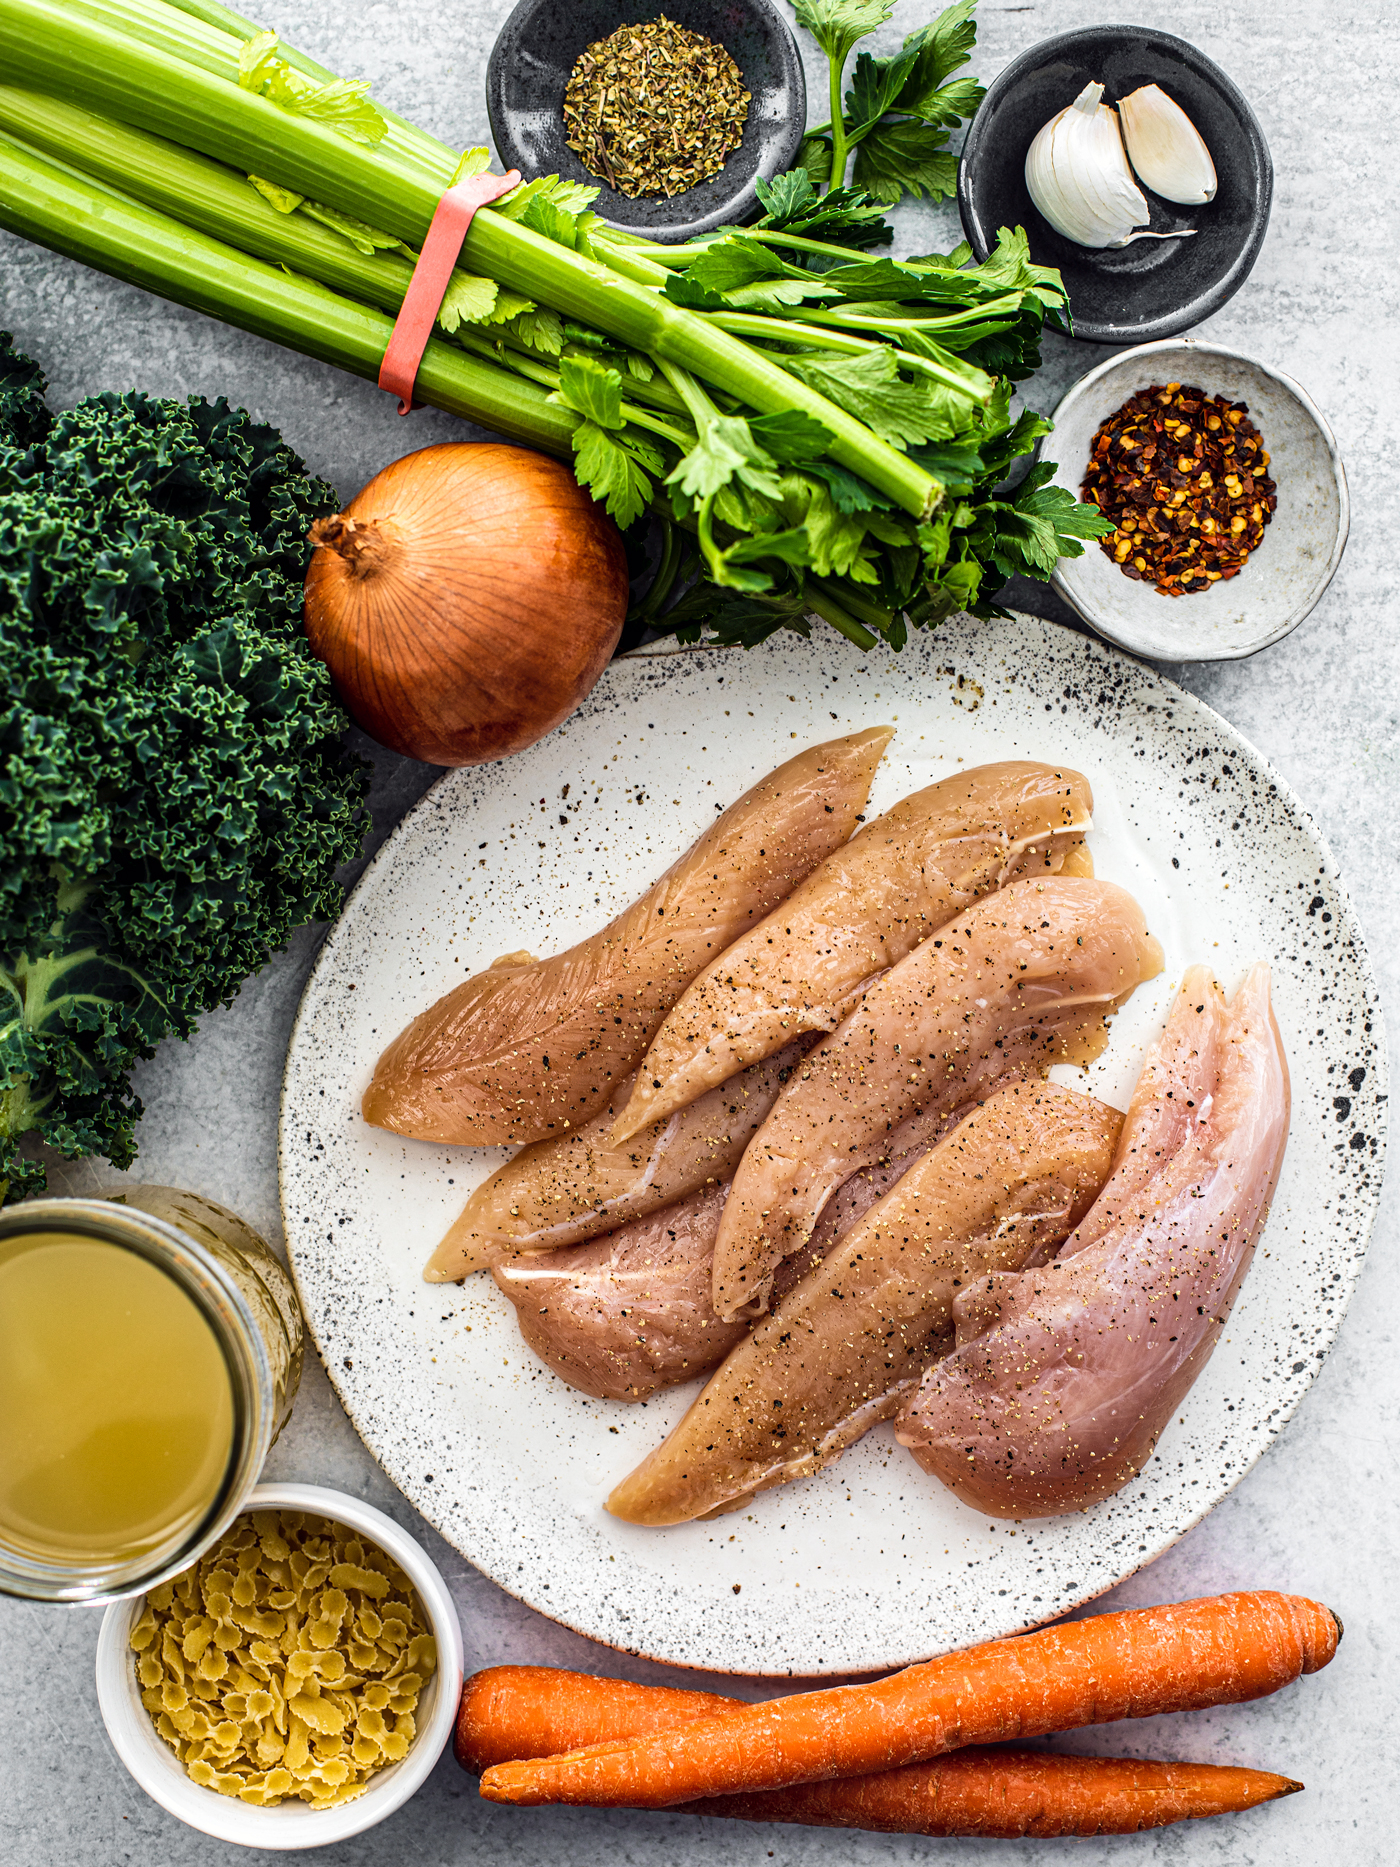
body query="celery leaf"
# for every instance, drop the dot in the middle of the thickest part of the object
(473, 162)
(610, 474)
(364, 238)
(837, 25)
(343, 106)
(727, 450)
(539, 329)
(591, 390)
(281, 198)
(468, 299)
(543, 216)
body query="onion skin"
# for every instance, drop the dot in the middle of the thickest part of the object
(466, 601)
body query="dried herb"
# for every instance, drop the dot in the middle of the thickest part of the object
(655, 109)
(1183, 477)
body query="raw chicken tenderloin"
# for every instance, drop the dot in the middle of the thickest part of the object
(1059, 1403)
(580, 1185)
(1028, 975)
(529, 1048)
(629, 1314)
(841, 1350)
(868, 905)
(1168, 1103)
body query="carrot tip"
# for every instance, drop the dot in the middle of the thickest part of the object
(1338, 1621)
(1290, 1788)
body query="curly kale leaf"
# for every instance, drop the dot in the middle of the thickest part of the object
(174, 795)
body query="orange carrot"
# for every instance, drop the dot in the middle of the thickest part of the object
(512, 1712)
(1007, 1794)
(539, 1711)
(1218, 1651)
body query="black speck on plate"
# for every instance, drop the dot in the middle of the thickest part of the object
(539, 46)
(1153, 288)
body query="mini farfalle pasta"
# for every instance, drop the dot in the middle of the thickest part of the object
(287, 1663)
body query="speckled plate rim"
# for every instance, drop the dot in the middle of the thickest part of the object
(1202, 347)
(839, 1633)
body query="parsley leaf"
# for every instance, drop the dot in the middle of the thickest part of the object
(842, 217)
(726, 566)
(876, 82)
(792, 438)
(1009, 268)
(941, 48)
(870, 387)
(906, 157)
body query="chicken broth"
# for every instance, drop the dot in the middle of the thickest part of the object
(116, 1398)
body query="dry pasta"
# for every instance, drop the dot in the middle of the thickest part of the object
(287, 1662)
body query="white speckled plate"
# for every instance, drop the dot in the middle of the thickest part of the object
(871, 1564)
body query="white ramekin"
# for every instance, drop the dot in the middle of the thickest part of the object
(1283, 580)
(292, 1824)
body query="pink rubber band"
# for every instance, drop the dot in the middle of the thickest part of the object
(428, 286)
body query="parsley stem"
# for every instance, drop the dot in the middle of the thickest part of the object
(837, 178)
(663, 582)
(844, 592)
(945, 368)
(829, 610)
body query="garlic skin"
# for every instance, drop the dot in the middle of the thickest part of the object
(1078, 176)
(1166, 149)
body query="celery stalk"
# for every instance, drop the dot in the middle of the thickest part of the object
(84, 62)
(75, 215)
(204, 194)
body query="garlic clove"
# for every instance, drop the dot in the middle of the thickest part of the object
(1078, 176)
(1166, 148)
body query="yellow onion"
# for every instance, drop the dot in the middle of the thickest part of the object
(466, 601)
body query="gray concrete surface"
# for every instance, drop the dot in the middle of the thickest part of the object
(1318, 1514)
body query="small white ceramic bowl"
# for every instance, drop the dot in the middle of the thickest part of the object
(292, 1824)
(1302, 547)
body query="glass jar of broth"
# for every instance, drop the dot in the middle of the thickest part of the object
(150, 1351)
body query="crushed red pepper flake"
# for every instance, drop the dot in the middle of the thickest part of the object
(1183, 476)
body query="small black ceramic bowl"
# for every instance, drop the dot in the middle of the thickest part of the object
(539, 46)
(1154, 288)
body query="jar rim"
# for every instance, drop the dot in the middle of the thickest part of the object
(195, 1270)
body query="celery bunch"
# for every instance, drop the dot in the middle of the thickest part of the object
(818, 431)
